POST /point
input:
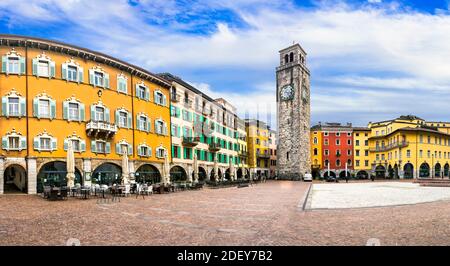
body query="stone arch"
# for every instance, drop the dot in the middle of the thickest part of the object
(362, 174)
(177, 173)
(53, 173)
(315, 173)
(424, 170)
(227, 175)
(408, 171)
(239, 173)
(446, 170)
(286, 58)
(390, 172)
(380, 171)
(107, 173)
(332, 174)
(342, 174)
(437, 170)
(15, 178)
(202, 174)
(147, 173)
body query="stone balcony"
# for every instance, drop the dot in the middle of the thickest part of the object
(263, 155)
(100, 129)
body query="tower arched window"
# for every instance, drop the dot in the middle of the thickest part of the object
(291, 57)
(286, 59)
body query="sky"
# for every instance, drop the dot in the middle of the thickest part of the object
(370, 60)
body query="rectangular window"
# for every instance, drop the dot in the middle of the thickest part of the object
(99, 114)
(356, 152)
(43, 69)
(366, 163)
(13, 106)
(74, 112)
(72, 73)
(159, 98)
(13, 65)
(357, 142)
(142, 123)
(325, 142)
(377, 157)
(366, 143)
(383, 157)
(349, 152)
(100, 147)
(160, 153)
(357, 162)
(159, 127)
(45, 143)
(76, 145)
(338, 142)
(420, 154)
(143, 150)
(408, 153)
(366, 153)
(13, 143)
(420, 138)
(123, 119)
(98, 78)
(349, 142)
(327, 152)
(141, 92)
(44, 108)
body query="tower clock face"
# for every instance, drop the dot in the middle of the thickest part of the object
(287, 93)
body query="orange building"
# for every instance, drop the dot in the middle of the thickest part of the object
(53, 93)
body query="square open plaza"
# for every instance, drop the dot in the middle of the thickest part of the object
(96, 151)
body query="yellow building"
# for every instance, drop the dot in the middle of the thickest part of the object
(316, 151)
(409, 147)
(361, 152)
(53, 93)
(258, 148)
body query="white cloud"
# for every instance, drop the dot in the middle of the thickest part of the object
(374, 47)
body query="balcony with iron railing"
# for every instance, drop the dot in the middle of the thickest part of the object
(243, 154)
(214, 147)
(187, 103)
(191, 141)
(263, 155)
(100, 129)
(391, 146)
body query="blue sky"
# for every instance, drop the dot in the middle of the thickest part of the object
(369, 60)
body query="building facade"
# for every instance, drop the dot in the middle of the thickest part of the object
(53, 93)
(409, 147)
(208, 128)
(293, 113)
(337, 149)
(258, 148)
(361, 152)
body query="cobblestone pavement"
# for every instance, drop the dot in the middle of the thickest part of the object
(265, 214)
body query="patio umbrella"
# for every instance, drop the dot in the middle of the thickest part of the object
(231, 170)
(216, 169)
(70, 165)
(195, 169)
(166, 170)
(125, 168)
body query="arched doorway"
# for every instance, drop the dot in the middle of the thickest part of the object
(239, 173)
(437, 170)
(177, 174)
(396, 171)
(227, 174)
(332, 174)
(15, 179)
(390, 172)
(202, 174)
(408, 171)
(380, 171)
(446, 168)
(54, 174)
(424, 170)
(108, 174)
(148, 173)
(343, 174)
(315, 174)
(362, 175)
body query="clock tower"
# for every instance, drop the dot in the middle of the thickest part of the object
(293, 114)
